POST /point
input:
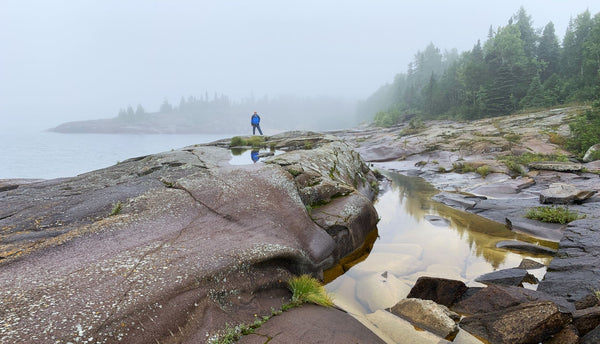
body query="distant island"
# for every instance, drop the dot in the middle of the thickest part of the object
(222, 115)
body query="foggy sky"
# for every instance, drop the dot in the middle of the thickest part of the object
(72, 60)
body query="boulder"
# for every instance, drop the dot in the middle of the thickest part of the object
(507, 277)
(567, 335)
(586, 319)
(592, 153)
(531, 322)
(590, 300)
(592, 337)
(496, 297)
(529, 264)
(561, 193)
(428, 315)
(440, 290)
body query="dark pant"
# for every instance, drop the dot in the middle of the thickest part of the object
(254, 127)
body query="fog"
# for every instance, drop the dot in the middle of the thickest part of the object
(75, 60)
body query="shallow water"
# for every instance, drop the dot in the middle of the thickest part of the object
(420, 237)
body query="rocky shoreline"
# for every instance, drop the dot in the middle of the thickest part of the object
(439, 152)
(174, 247)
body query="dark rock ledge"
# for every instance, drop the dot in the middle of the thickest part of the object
(197, 243)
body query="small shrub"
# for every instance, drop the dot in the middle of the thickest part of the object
(238, 141)
(557, 139)
(463, 167)
(512, 137)
(483, 171)
(307, 289)
(442, 169)
(116, 209)
(308, 145)
(256, 141)
(553, 214)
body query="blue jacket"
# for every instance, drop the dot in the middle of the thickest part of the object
(255, 119)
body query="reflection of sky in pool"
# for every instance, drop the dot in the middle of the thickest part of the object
(409, 246)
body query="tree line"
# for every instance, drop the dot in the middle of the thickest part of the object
(517, 67)
(220, 113)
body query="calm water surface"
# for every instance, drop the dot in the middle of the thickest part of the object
(419, 237)
(45, 155)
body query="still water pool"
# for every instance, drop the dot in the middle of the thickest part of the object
(419, 237)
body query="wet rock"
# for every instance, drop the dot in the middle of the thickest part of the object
(348, 220)
(556, 166)
(524, 247)
(496, 297)
(592, 337)
(590, 300)
(428, 315)
(399, 330)
(507, 277)
(567, 335)
(561, 193)
(440, 290)
(587, 319)
(531, 322)
(591, 153)
(529, 264)
(573, 272)
(455, 200)
(505, 187)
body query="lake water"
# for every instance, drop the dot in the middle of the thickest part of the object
(45, 155)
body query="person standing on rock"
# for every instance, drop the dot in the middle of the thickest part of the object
(255, 121)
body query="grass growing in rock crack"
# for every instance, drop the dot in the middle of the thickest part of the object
(305, 289)
(553, 214)
(116, 209)
(308, 289)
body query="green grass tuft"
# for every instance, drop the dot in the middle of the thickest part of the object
(553, 214)
(116, 209)
(308, 289)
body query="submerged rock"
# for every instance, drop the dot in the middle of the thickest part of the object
(509, 277)
(524, 247)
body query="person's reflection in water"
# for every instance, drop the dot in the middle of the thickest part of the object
(254, 156)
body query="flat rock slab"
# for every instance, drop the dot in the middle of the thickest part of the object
(312, 324)
(195, 244)
(524, 247)
(508, 277)
(556, 166)
(562, 193)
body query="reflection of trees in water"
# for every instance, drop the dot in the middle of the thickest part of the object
(480, 233)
